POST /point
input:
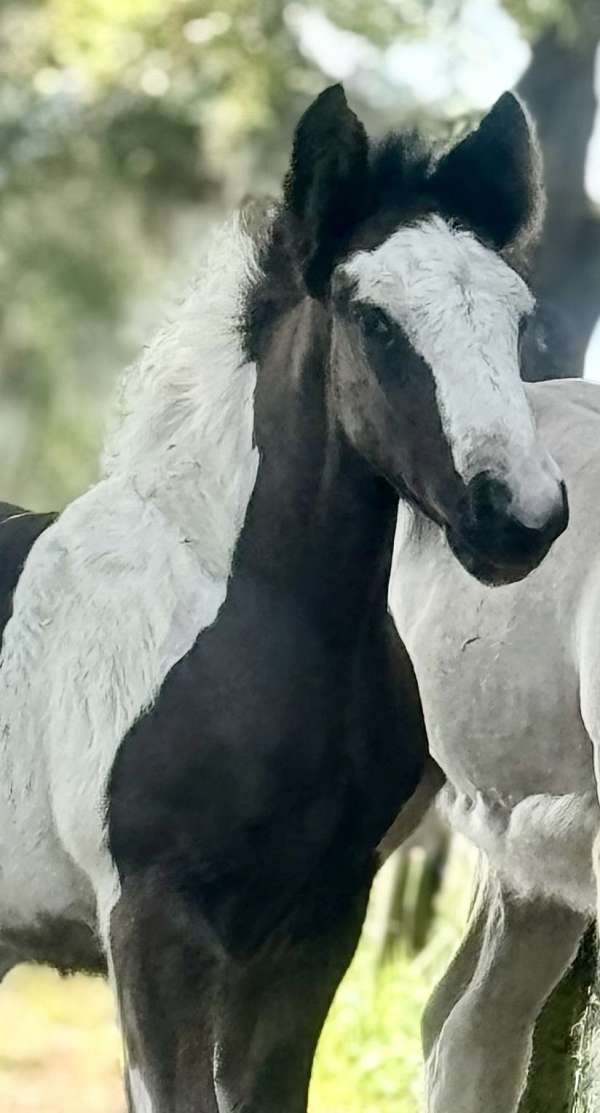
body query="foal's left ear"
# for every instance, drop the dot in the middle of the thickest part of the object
(492, 180)
(325, 187)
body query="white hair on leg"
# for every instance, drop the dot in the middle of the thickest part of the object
(140, 1098)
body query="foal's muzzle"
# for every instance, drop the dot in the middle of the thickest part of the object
(492, 542)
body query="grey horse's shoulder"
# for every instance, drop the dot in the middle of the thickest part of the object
(567, 413)
(558, 396)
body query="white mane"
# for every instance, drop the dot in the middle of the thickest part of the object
(117, 590)
(181, 430)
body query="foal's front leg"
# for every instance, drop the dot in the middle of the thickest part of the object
(457, 977)
(165, 965)
(480, 1058)
(272, 1011)
(209, 1032)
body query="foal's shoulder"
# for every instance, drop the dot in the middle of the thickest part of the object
(111, 596)
(554, 399)
(116, 567)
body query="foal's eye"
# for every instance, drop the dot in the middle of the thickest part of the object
(374, 322)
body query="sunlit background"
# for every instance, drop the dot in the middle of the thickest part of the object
(127, 128)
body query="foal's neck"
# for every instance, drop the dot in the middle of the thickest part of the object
(320, 524)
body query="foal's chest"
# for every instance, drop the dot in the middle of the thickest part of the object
(272, 763)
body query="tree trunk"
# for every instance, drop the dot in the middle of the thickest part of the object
(558, 87)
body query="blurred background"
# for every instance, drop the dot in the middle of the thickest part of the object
(127, 128)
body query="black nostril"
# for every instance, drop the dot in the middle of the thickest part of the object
(490, 540)
(487, 498)
(559, 519)
(489, 523)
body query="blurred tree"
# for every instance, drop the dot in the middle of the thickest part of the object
(559, 88)
(558, 85)
(116, 116)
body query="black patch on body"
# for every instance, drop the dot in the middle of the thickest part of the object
(18, 531)
(245, 808)
(282, 746)
(70, 946)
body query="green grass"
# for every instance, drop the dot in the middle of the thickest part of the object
(59, 1048)
(369, 1058)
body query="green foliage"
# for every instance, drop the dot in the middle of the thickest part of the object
(369, 1057)
(117, 117)
(70, 243)
(574, 19)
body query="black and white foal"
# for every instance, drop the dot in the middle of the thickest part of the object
(201, 692)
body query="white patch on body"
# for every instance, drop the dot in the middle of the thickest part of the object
(117, 590)
(460, 304)
(555, 832)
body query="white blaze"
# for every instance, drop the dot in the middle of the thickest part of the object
(460, 305)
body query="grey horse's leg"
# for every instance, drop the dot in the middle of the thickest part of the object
(480, 1058)
(461, 969)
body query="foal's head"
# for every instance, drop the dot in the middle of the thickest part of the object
(415, 261)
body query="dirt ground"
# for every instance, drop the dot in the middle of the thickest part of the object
(59, 1051)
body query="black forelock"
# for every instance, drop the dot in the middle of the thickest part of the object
(399, 166)
(399, 170)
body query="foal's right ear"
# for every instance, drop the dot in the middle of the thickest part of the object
(325, 188)
(492, 179)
